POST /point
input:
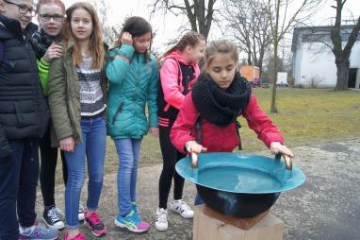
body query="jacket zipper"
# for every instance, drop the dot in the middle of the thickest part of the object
(119, 110)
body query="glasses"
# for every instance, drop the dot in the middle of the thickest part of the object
(23, 9)
(55, 17)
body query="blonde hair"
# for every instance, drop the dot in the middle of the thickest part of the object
(220, 47)
(190, 38)
(96, 48)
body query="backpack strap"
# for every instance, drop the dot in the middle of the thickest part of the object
(238, 126)
(198, 128)
(179, 68)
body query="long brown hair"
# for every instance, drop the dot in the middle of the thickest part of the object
(190, 38)
(96, 48)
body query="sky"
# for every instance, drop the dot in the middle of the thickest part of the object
(167, 28)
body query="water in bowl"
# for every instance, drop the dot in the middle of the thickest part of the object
(236, 179)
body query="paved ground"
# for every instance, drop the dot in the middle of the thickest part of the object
(326, 207)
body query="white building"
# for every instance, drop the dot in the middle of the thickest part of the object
(313, 60)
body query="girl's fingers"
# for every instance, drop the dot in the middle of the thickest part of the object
(58, 51)
(286, 151)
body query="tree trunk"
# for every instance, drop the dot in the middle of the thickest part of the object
(276, 45)
(342, 75)
(273, 95)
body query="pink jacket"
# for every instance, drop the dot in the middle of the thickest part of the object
(169, 76)
(221, 139)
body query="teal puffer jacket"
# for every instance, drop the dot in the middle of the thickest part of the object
(133, 85)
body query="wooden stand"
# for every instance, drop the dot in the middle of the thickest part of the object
(211, 225)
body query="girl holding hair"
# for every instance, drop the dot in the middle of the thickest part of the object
(77, 94)
(133, 77)
(179, 71)
(210, 111)
(51, 18)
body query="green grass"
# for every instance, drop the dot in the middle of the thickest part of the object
(304, 116)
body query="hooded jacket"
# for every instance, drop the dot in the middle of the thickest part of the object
(177, 76)
(133, 83)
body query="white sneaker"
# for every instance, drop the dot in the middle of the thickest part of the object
(181, 208)
(81, 212)
(161, 223)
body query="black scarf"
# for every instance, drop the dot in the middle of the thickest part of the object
(218, 106)
(40, 42)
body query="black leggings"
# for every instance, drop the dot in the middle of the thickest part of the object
(170, 157)
(49, 157)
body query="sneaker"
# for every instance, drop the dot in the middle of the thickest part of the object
(181, 208)
(132, 222)
(81, 212)
(60, 213)
(52, 219)
(93, 223)
(80, 236)
(161, 223)
(134, 206)
(38, 233)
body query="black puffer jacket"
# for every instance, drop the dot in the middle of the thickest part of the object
(23, 109)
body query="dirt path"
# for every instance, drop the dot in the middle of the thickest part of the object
(326, 207)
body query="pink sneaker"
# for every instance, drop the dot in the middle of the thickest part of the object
(94, 223)
(80, 236)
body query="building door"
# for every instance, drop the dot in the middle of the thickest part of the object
(352, 77)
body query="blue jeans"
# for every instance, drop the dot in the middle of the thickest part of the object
(93, 147)
(198, 200)
(128, 152)
(19, 173)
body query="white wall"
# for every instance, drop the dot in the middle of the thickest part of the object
(315, 60)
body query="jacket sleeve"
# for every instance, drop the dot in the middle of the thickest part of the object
(57, 99)
(4, 144)
(152, 95)
(181, 131)
(261, 124)
(119, 62)
(169, 75)
(43, 68)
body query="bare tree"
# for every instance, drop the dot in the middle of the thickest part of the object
(249, 24)
(110, 31)
(199, 12)
(282, 22)
(342, 54)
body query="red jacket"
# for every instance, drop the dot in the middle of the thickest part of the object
(169, 75)
(221, 139)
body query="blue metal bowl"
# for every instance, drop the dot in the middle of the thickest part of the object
(240, 185)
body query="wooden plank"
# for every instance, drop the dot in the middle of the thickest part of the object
(243, 223)
(211, 228)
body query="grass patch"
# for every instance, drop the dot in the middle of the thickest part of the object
(305, 116)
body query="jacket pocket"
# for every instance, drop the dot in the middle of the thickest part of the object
(19, 114)
(118, 110)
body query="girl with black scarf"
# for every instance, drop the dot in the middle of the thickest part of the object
(208, 116)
